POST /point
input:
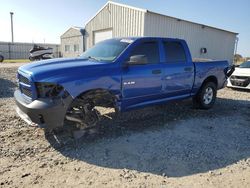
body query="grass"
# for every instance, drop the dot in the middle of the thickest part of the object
(16, 61)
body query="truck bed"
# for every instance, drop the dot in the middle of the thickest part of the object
(205, 69)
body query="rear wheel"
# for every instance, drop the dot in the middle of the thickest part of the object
(206, 97)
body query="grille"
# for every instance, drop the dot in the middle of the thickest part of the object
(23, 88)
(27, 92)
(24, 79)
(241, 81)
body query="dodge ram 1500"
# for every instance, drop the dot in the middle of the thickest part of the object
(123, 73)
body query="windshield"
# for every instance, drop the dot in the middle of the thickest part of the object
(107, 50)
(245, 65)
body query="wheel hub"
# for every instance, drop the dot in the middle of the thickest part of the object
(208, 95)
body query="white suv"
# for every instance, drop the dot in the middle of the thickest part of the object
(241, 77)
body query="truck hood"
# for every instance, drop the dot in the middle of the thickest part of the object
(241, 72)
(57, 70)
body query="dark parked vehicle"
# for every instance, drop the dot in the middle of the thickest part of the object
(1, 58)
(124, 73)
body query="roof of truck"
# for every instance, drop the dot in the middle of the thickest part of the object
(136, 38)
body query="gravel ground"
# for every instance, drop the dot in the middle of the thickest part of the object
(171, 145)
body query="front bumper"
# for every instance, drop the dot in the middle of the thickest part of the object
(239, 86)
(47, 113)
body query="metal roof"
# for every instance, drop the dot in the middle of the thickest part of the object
(80, 29)
(147, 11)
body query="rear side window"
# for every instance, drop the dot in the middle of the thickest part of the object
(174, 52)
(149, 49)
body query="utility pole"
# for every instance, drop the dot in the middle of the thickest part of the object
(12, 34)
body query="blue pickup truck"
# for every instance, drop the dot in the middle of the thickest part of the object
(122, 73)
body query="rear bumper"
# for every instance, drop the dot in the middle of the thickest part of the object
(47, 113)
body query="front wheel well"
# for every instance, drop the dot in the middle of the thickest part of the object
(99, 97)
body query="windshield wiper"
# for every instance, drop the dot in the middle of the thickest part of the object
(93, 58)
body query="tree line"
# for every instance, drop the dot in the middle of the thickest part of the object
(239, 58)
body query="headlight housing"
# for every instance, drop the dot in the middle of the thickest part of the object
(48, 90)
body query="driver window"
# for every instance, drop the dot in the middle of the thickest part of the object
(149, 49)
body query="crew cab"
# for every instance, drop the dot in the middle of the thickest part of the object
(122, 73)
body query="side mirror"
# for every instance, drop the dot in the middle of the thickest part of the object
(138, 60)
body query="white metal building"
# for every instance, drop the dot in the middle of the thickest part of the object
(72, 42)
(118, 20)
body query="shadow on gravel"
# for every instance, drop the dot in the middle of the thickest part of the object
(7, 88)
(240, 90)
(173, 139)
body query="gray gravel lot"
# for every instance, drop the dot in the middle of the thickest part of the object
(171, 145)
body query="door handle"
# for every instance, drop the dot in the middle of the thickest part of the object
(188, 69)
(158, 71)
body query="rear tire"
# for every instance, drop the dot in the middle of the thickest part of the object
(206, 97)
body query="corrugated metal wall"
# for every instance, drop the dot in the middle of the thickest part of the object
(126, 21)
(21, 50)
(220, 44)
(122, 20)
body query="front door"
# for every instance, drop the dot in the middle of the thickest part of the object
(143, 83)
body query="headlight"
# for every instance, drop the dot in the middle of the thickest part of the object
(48, 90)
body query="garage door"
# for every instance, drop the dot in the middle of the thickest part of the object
(102, 35)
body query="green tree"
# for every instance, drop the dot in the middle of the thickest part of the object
(238, 59)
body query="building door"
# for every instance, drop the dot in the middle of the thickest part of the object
(102, 35)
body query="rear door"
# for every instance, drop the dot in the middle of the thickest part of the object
(178, 70)
(142, 83)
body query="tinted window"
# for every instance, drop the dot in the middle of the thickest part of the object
(245, 65)
(174, 52)
(149, 49)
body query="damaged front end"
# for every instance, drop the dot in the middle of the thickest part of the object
(48, 109)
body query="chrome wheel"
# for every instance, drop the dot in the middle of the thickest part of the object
(208, 96)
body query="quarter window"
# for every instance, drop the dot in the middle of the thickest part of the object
(149, 49)
(174, 52)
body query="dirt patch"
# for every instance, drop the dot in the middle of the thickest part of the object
(171, 145)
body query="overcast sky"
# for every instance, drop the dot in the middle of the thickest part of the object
(39, 21)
